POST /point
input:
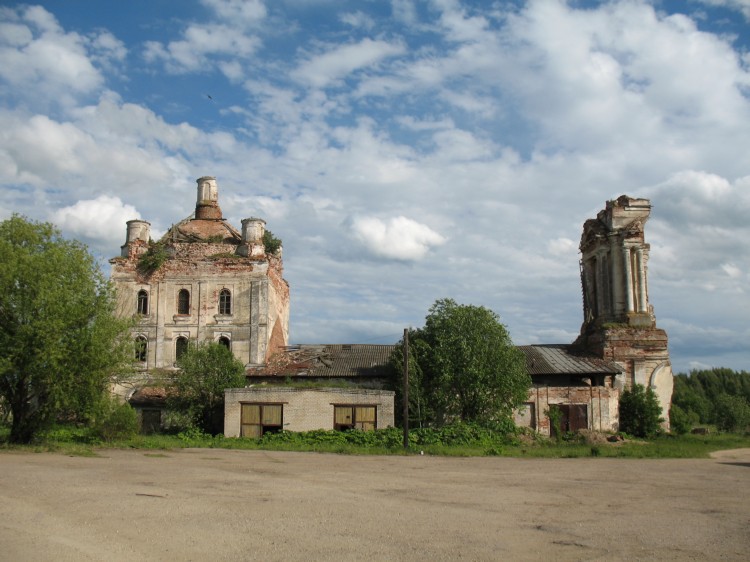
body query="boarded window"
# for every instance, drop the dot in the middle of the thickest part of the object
(225, 302)
(141, 348)
(142, 302)
(526, 416)
(355, 417)
(183, 302)
(257, 419)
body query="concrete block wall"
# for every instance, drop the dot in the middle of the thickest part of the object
(306, 409)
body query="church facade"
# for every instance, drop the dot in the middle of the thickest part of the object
(204, 280)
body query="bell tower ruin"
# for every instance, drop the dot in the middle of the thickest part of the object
(618, 321)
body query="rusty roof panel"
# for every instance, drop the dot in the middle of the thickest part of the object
(364, 360)
(561, 359)
(329, 360)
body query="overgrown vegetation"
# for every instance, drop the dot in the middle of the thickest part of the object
(463, 366)
(452, 440)
(555, 416)
(718, 396)
(640, 413)
(153, 258)
(114, 420)
(205, 371)
(60, 341)
(271, 243)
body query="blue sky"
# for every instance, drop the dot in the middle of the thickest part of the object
(403, 151)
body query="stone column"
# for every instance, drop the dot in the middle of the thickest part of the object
(617, 276)
(642, 304)
(628, 278)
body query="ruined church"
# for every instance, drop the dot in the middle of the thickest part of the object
(204, 280)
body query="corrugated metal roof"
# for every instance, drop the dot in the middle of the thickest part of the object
(329, 360)
(561, 359)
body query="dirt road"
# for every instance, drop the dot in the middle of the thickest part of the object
(207, 504)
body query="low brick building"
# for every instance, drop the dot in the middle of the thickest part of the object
(580, 386)
(253, 411)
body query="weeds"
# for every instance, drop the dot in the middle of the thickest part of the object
(460, 440)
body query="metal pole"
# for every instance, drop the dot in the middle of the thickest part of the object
(406, 388)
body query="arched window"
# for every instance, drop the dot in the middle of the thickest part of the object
(223, 340)
(180, 347)
(183, 302)
(141, 348)
(142, 302)
(225, 302)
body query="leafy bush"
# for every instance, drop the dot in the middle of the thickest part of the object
(270, 242)
(455, 435)
(640, 413)
(154, 257)
(175, 422)
(115, 421)
(681, 421)
(555, 416)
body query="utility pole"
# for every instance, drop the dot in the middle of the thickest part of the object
(406, 388)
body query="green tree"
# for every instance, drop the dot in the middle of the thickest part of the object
(732, 413)
(640, 413)
(463, 366)
(699, 392)
(205, 371)
(60, 341)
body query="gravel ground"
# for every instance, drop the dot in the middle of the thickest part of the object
(209, 504)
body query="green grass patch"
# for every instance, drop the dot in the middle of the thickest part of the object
(460, 440)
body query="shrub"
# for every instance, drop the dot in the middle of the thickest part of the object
(270, 242)
(681, 421)
(640, 413)
(154, 257)
(555, 421)
(115, 420)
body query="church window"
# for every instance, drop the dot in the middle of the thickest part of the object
(180, 347)
(141, 348)
(142, 302)
(183, 302)
(225, 302)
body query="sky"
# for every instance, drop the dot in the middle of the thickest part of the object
(404, 151)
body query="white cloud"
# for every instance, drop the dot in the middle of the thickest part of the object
(357, 19)
(404, 11)
(562, 247)
(246, 12)
(222, 42)
(101, 220)
(742, 6)
(39, 59)
(399, 238)
(321, 70)
(195, 52)
(504, 128)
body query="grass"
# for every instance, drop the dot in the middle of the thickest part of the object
(76, 441)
